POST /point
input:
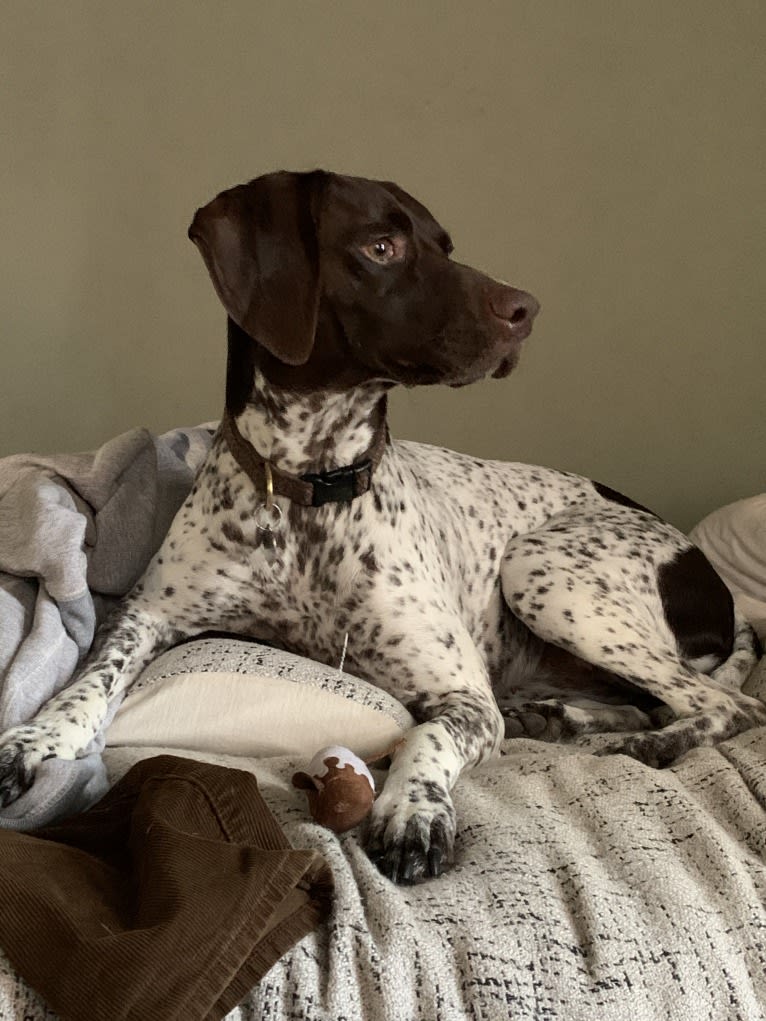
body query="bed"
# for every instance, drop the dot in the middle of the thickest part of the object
(582, 888)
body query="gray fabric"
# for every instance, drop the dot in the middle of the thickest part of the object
(61, 788)
(76, 530)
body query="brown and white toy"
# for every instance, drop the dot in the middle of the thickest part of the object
(339, 786)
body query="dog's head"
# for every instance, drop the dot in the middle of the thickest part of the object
(341, 280)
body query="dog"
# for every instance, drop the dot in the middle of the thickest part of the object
(492, 599)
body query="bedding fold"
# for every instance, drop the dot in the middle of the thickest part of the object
(76, 531)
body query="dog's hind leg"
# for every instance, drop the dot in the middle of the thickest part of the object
(549, 694)
(553, 719)
(612, 612)
(707, 708)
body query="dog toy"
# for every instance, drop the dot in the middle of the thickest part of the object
(339, 786)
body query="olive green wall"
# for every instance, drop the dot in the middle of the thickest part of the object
(607, 155)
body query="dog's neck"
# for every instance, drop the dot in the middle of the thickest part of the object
(312, 431)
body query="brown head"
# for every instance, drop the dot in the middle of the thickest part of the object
(331, 281)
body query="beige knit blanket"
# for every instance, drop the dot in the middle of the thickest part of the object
(584, 889)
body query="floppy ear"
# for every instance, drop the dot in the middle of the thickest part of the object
(260, 245)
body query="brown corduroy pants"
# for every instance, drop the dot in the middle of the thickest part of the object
(166, 901)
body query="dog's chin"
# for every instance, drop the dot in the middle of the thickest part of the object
(459, 384)
(409, 375)
(506, 366)
(496, 369)
(497, 362)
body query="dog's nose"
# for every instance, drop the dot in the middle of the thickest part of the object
(516, 307)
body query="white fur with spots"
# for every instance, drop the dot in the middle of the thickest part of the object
(422, 574)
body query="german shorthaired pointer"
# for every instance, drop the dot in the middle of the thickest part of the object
(491, 598)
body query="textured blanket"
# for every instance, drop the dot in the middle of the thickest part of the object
(76, 531)
(584, 888)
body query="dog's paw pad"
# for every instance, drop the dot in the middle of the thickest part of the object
(542, 721)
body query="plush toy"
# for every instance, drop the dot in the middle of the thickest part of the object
(339, 786)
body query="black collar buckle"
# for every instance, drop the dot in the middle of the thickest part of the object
(340, 485)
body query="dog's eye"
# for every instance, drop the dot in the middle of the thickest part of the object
(385, 250)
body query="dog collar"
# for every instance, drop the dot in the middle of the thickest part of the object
(339, 485)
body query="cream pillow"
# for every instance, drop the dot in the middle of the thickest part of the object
(236, 697)
(734, 540)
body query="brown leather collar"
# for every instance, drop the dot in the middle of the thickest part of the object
(314, 488)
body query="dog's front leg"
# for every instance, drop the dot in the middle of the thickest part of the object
(411, 832)
(69, 721)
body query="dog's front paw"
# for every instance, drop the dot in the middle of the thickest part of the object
(411, 840)
(17, 771)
